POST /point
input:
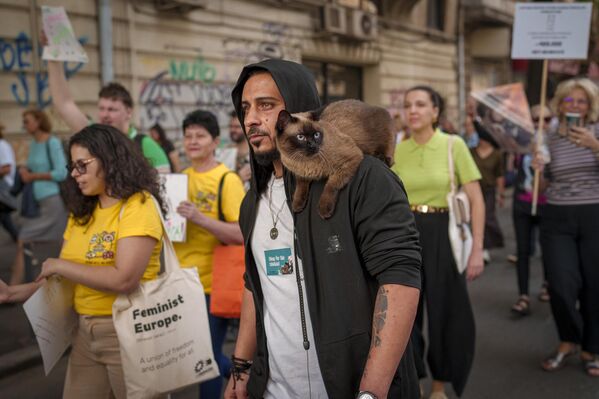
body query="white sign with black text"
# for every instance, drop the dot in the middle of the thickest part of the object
(551, 30)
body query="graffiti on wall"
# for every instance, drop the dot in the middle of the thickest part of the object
(167, 101)
(198, 70)
(16, 56)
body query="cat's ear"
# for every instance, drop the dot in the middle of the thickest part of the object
(282, 121)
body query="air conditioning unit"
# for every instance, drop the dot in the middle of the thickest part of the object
(334, 19)
(362, 25)
(182, 6)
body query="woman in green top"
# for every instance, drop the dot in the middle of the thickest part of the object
(422, 163)
(45, 169)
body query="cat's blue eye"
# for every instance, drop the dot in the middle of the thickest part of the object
(301, 137)
(317, 135)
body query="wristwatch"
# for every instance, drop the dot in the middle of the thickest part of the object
(366, 395)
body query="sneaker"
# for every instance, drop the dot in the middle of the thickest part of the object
(486, 256)
(512, 258)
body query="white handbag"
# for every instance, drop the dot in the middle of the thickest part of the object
(163, 331)
(460, 234)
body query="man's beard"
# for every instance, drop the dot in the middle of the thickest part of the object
(267, 158)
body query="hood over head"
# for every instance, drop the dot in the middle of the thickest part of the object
(298, 89)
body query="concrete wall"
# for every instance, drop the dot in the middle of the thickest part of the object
(174, 63)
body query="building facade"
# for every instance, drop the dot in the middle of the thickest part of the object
(179, 55)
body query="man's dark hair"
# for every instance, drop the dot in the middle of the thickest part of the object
(126, 170)
(116, 92)
(435, 97)
(205, 119)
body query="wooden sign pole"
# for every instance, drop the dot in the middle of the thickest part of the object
(539, 137)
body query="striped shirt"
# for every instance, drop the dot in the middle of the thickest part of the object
(573, 172)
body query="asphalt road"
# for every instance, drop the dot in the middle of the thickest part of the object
(508, 350)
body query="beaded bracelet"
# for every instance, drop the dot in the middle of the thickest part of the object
(239, 366)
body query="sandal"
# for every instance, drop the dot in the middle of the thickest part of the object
(522, 306)
(544, 294)
(556, 361)
(591, 366)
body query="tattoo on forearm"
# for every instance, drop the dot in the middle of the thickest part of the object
(380, 315)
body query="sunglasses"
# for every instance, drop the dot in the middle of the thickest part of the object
(80, 165)
(546, 119)
(571, 100)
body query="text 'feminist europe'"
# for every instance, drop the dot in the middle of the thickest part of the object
(159, 308)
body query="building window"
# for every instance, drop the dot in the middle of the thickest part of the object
(436, 14)
(335, 81)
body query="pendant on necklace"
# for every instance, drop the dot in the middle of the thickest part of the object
(274, 233)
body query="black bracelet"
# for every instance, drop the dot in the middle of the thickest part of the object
(239, 366)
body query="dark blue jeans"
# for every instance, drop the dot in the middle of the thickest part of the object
(218, 330)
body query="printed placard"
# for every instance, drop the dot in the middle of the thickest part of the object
(551, 30)
(175, 192)
(52, 318)
(279, 262)
(62, 43)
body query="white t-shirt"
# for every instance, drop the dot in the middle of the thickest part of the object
(294, 372)
(7, 157)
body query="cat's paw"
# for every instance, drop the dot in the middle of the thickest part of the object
(326, 207)
(299, 202)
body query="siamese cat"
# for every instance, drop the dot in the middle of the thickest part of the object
(330, 143)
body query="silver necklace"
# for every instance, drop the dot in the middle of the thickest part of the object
(274, 232)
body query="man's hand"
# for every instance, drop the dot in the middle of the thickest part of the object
(476, 264)
(240, 391)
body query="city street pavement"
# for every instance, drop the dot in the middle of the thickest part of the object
(506, 363)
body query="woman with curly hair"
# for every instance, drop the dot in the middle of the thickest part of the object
(112, 242)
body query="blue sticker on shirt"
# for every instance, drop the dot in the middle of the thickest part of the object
(278, 262)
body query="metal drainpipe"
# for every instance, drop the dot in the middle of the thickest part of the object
(105, 28)
(461, 70)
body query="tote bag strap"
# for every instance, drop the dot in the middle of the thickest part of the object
(171, 262)
(219, 197)
(452, 184)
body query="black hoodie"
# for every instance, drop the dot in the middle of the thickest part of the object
(370, 240)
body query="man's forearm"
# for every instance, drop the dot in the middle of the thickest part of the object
(394, 313)
(245, 348)
(62, 100)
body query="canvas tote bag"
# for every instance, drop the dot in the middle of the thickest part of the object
(460, 234)
(228, 266)
(163, 330)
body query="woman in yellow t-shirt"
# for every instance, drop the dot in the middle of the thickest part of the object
(422, 163)
(204, 229)
(112, 242)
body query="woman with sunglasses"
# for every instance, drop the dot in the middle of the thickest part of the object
(112, 242)
(525, 222)
(569, 228)
(44, 170)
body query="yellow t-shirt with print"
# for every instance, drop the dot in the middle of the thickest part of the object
(198, 248)
(95, 244)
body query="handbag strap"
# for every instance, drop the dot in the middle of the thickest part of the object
(219, 197)
(452, 184)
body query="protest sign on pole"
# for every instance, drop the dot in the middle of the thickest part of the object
(62, 43)
(550, 31)
(52, 318)
(175, 192)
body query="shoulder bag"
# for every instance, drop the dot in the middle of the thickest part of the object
(460, 234)
(163, 330)
(228, 266)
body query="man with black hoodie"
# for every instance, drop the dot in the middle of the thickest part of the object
(329, 304)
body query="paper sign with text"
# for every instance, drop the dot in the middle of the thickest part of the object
(551, 30)
(53, 319)
(175, 192)
(62, 43)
